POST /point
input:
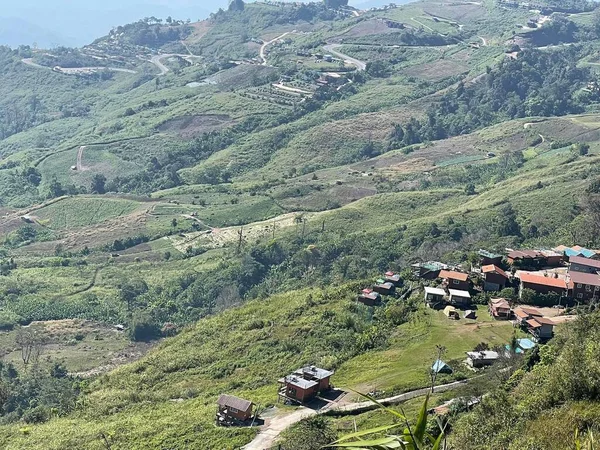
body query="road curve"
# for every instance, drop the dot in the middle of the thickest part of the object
(263, 48)
(331, 48)
(267, 437)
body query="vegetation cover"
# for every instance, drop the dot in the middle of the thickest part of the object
(230, 193)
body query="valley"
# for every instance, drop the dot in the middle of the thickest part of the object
(191, 209)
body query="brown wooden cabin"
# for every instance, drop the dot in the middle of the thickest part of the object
(500, 309)
(495, 279)
(369, 297)
(394, 278)
(305, 384)
(233, 410)
(385, 288)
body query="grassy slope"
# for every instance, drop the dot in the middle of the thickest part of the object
(136, 405)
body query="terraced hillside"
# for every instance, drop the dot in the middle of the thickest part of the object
(229, 193)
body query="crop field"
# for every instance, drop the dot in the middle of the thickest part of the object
(81, 211)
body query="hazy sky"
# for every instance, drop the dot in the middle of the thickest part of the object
(78, 22)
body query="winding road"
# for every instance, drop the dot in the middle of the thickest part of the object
(75, 70)
(331, 48)
(268, 435)
(266, 44)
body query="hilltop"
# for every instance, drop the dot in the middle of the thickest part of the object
(222, 197)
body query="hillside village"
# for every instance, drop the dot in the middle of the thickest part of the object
(224, 234)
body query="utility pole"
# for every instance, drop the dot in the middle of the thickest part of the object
(241, 239)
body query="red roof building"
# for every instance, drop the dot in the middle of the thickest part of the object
(455, 280)
(495, 279)
(499, 309)
(542, 285)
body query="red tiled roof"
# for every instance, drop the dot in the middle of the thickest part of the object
(521, 314)
(585, 261)
(389, 274)
(584, 278)
(533, 323)
(454, 275)
(500, 303)
(494, 269)
(530, 278)
(531, 311)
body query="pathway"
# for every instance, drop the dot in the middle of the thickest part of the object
(79, 165)
(267, 437)
(331, 48)
(75, 70)
(266, 44)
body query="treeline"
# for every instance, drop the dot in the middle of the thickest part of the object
(542, 404)
(151, 33)
(535, 84)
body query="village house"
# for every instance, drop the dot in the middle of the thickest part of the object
(233, 410)
(391, 277)
(523, 314)
(305, 384)
(455, 280)
(584, 265)
(494, 278)
(429, 270)
(553, 259)
(500, 309)
(459, 298)
(481, 359)
(541, 284)
(541, 328)
(486, 258)
(385, 288)
(525, 258)
(585, 286)
(434, 297)
(576, 250)
(369, 297)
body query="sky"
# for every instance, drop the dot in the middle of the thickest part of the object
(49, 23)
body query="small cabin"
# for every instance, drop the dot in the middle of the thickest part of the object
(385, 288)
(305, 384)
(500, 309)
(233, 410)
(391, 277)
(369, 297)
(541, 328)
(481, 359)
(434, 296)
(459, 297)
(494, 278)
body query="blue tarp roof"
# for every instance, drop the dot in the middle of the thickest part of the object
(440, 365)
(525, 344)
(584, 252)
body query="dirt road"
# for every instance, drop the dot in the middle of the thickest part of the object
(331, 48)
(75, 70)
(79, 165)
(156, 61)
(267, 437)
(266, 44)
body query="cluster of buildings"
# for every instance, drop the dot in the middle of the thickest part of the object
(301, 386)
(570, 274)
(384, 286)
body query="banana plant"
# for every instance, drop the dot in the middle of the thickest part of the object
(588, 444)
(413, 437)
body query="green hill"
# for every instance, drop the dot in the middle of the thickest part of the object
(229, 193)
